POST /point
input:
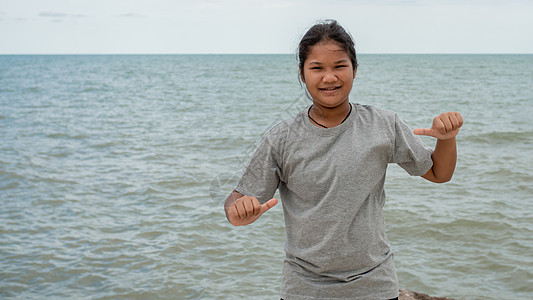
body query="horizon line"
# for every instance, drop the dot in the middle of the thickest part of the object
(243, 53)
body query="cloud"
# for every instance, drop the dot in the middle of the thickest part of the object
(208, 5)
(278, 4)
(132, 15)
(52, 14)
(58, 17)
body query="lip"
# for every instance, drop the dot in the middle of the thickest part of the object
(330, 89)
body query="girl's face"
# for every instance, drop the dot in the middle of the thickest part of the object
(328, 74)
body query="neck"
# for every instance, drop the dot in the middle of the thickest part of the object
(329, 116)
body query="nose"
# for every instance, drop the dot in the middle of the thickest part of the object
(329, 77)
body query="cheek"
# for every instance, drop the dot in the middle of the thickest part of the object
(305, 76)
(311, 79)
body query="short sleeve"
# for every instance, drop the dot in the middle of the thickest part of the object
(410, 152)
(262, 175)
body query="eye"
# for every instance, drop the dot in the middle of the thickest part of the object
(341, 66)
(316, 68)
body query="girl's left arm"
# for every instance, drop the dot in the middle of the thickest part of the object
(445, 127)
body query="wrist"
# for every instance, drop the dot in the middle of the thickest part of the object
(447, 140)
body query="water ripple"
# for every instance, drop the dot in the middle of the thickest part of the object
(113, 170)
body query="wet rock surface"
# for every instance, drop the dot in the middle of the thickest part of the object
(410, 295)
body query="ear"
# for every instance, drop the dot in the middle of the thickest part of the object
(354, 72)
(302, 78)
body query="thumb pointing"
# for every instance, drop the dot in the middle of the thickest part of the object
(422, 131)
(268, 205)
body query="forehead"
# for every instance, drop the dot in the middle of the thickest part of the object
(326, 52)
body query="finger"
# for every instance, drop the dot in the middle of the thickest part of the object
(448, 122)
(248, 206)
(257, 207)
(233, 212)
(241, 211)
(454, 121)
(423, 131)
(459, 118)
(438, 125)
(268, 205)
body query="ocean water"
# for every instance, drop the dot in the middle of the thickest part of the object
(114, 169)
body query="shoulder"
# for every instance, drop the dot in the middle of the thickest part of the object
(276, 136)
(374, 115)
(373, 110)
(282, 129)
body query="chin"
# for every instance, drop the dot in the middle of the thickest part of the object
(329, 103)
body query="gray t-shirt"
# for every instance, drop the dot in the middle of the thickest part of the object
(331, 186)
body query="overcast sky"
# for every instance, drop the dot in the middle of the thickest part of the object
(262, 26)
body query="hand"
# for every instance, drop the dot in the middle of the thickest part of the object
(445, 126)
(246, 210)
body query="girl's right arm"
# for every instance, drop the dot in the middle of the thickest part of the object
(243, 210)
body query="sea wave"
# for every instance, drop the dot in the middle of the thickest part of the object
(113, 171)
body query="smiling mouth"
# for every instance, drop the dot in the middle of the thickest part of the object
(333, 88)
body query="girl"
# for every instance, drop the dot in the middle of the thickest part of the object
(329, 164)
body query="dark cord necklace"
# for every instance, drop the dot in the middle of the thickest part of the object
(309, 115)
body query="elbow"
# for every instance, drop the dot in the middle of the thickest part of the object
(443, 179)
(432, 176)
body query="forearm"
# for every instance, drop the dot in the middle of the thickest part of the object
(444, 160)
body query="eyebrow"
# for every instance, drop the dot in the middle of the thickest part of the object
(337, 62)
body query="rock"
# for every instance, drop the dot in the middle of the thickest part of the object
(410, 295)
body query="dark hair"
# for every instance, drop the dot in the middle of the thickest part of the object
(328, 30)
